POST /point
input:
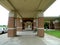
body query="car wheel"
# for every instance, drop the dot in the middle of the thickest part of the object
(2, 32)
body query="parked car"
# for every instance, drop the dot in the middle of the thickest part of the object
(5, 29)
(1, 30)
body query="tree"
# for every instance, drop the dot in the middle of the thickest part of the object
(46, 25)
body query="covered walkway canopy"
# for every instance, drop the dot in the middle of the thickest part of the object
(20, 9)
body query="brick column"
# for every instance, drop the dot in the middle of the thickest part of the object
(51, 25)
(40, 27)
(11, 25)
(40, 32)
(19, 24)
(34, 24)
(56, 24)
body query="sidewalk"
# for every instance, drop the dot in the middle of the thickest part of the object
(28, 38)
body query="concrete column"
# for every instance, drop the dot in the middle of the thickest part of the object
(11, 24)
(19, 24)
(40, 32)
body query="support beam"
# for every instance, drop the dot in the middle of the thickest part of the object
(14, 8)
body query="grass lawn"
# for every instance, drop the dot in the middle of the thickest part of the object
(55, 33)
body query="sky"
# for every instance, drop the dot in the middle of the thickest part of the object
(3, 16)
(52, 11)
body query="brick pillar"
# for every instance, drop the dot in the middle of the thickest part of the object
(19, 24)
(40, 27)
(34, 24)
(51, 25)
(57, 25)
(11, 25)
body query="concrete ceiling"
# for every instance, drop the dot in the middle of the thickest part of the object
(27, 8)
